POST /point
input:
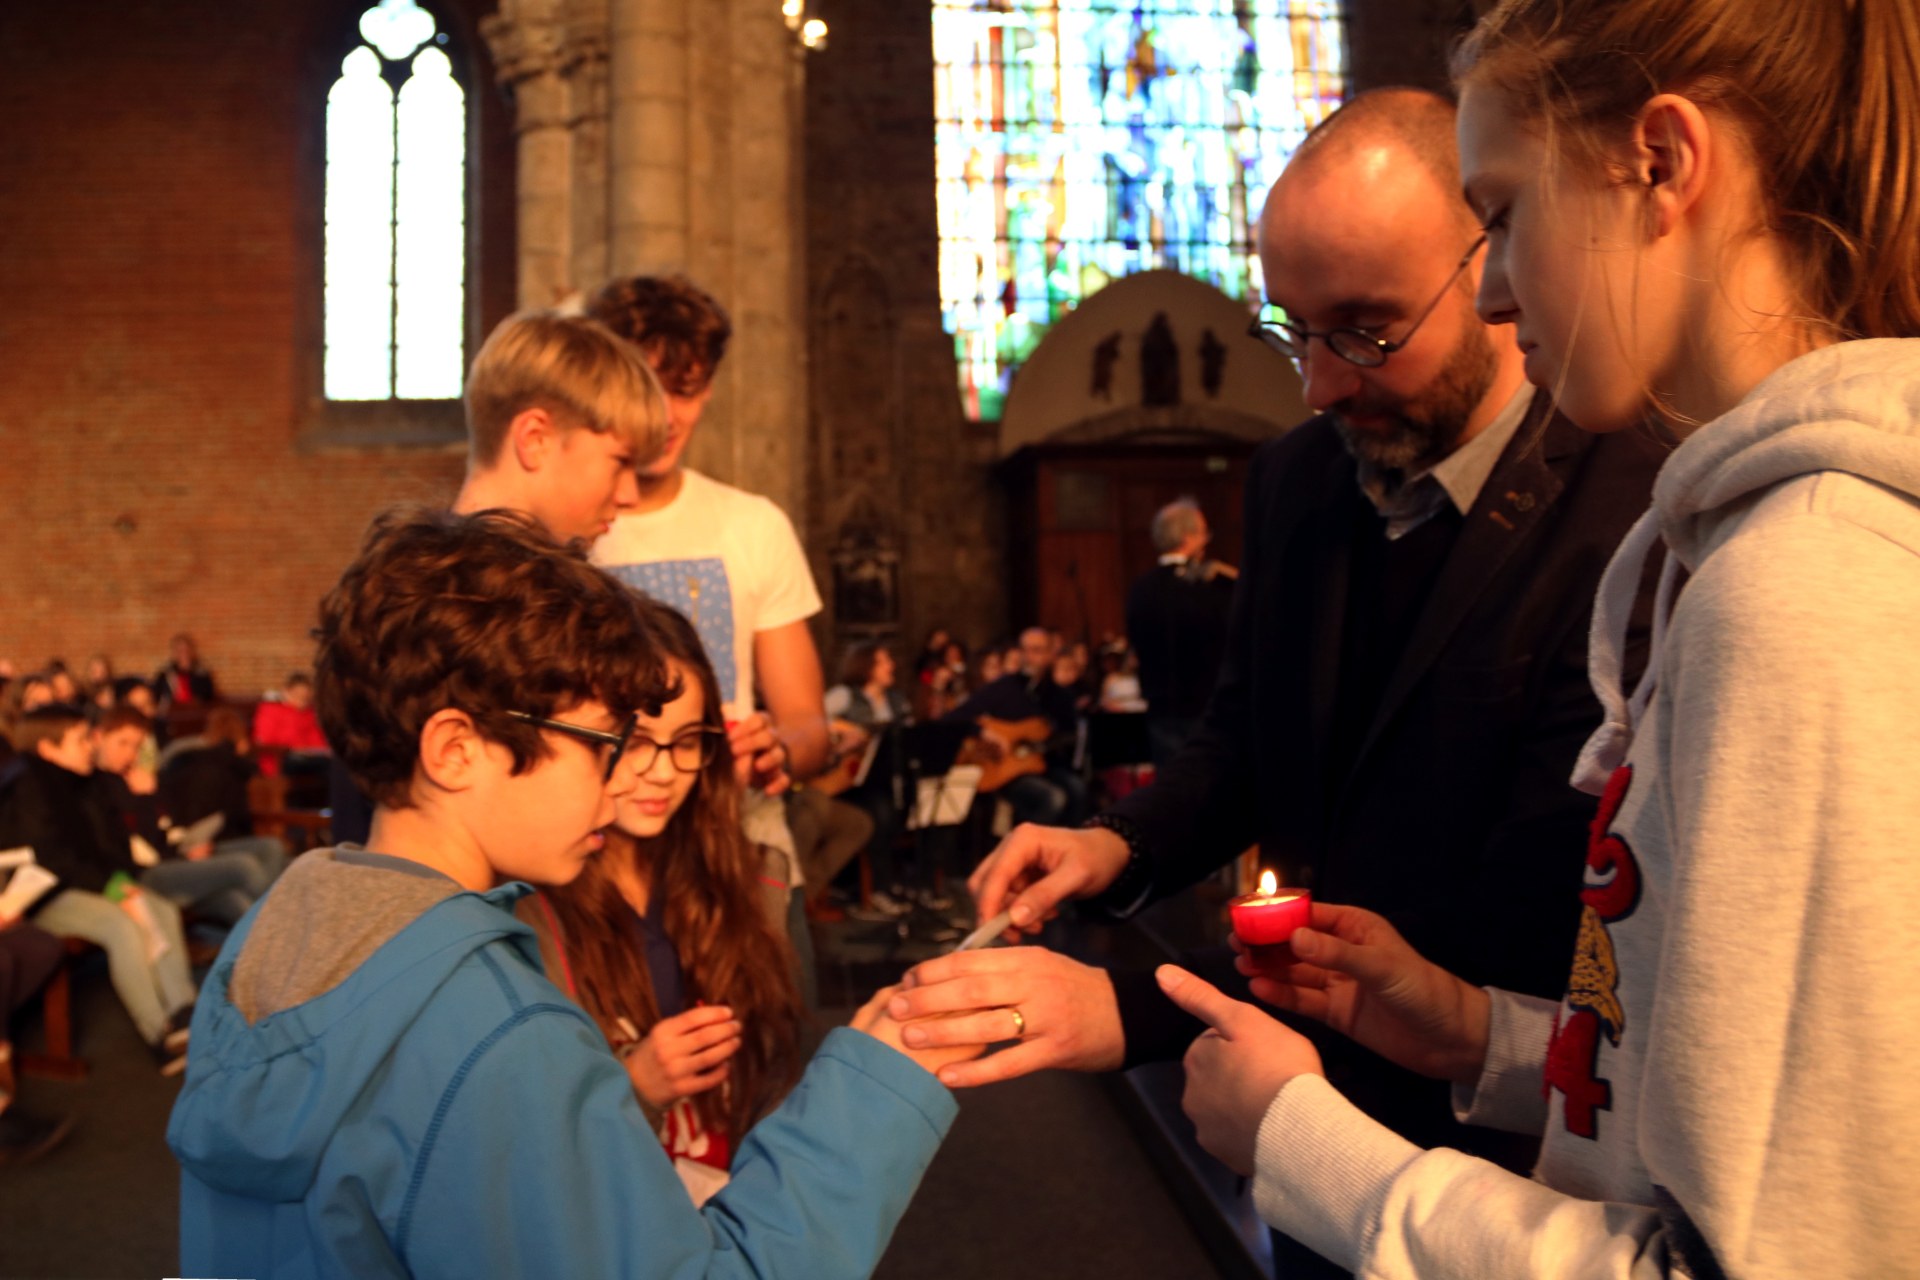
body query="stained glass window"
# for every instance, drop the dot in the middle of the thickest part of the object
(1078, 141)
(396, 214)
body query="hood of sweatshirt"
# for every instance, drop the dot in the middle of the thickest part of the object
(262, 1100)
(1853, 407)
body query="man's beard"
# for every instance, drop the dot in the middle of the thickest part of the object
(1427, 428)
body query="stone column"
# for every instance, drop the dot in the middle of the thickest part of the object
(663, 136)
(647, 178)
(553, 55)
(702, 179)
(754, 203)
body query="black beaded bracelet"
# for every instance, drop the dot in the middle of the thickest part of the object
(1124, 895)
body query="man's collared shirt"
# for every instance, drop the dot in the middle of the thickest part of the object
(1456, 478)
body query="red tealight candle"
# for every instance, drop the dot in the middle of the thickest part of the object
(1270, 915)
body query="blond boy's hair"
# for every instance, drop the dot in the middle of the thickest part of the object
(572, 367)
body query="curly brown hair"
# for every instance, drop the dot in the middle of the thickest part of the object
(680, 327)
(704, 872)
(482, 613)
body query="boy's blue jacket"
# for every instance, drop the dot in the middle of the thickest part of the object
(446, 1111)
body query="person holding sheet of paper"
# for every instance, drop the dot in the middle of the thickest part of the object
(55, 807)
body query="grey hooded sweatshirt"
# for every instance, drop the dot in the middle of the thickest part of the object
(1728, 1087)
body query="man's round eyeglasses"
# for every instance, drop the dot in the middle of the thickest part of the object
(1355, 346)
(614, 743)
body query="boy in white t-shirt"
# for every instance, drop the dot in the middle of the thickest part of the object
(728, 559)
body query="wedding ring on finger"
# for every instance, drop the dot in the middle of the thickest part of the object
(1019, 1023)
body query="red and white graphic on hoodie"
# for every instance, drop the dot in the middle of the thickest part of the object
(1593, 1003)
(686, 1138)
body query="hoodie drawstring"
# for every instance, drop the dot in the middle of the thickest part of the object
(1607, 749)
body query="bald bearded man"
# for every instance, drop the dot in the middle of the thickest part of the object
(1405, 687)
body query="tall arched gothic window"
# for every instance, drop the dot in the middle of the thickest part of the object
(396, 271)
(1082, 140)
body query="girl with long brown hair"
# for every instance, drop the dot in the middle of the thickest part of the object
(669, 940)
(1702, 219)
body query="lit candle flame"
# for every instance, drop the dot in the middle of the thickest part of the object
(1269, 884)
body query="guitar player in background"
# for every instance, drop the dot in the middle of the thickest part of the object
(1053, 793)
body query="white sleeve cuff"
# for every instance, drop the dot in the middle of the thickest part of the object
(1322, 1169)
(1510, 1093)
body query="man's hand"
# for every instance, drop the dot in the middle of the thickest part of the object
(684, 1055)
(1068, 1015)
(1038, 868)
(759, 757)
(875, 1021)
(1235, 1066)
(1353, 971)
(199, 852)
(141, 781)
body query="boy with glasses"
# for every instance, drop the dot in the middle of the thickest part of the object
(383, 1082)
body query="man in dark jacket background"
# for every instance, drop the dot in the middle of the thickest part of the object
(1177, 625)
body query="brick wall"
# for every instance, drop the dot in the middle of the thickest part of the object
(159, 277)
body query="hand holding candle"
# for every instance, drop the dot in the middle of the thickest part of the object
(1269, 916)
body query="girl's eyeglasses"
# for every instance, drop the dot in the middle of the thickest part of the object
(690, 752)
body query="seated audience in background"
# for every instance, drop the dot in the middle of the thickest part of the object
(27, 693)
(97, 674)
(208, 772)
(136, 694)
(132, 691)
(675, 938)
(1070, 672)
(989, 666)
(28, 957)
(944, 685)
(1120, 680)
(56, 806)
(286, 729)
(868, 701)
(217, 878)
(184, 680)
(933, 653)
(31, 693)
(436, 1106)
(1058, 795)
(61, 684)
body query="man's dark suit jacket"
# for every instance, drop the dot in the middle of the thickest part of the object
(1177, 624)
(1456, 820)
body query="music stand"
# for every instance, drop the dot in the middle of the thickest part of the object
(930, 748)
(939, 795)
